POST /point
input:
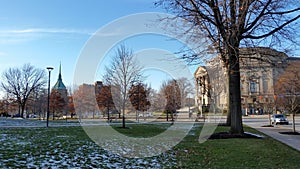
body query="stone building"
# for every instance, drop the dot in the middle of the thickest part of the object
(259, 70)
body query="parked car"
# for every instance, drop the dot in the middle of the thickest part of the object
(279, 119)
(148, 114)
(33, 116)
(16, 115)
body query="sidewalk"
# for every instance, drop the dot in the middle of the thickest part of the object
(290, 140)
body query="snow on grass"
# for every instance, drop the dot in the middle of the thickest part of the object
(65, 147)
(20, 122)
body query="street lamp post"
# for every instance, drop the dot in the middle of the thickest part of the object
(49, 70)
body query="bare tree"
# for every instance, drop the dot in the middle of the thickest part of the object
(21, 82)
(37, 102)
(186, 88)
(157, 101)
(171, 92)
(230, 24)
(123, 71)
(288, 90)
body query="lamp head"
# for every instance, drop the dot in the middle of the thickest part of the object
(50, 68)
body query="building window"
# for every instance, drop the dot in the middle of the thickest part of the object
(265, 85)
(253, 87)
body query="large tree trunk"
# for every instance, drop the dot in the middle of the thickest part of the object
(228, 120)
(235, 109)
(22, 110)
(123, 117)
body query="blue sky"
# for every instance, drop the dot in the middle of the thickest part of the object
(45, 33)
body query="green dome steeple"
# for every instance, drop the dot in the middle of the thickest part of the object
(59, 85)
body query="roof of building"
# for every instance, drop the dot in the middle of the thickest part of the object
(59, 85)
(293, 58)
(263, 54)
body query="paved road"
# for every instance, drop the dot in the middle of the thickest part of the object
(264, 120)
(291, 140)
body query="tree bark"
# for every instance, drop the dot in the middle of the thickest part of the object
(235, 109)
(123, 117)
(228, 120)
(22, 110)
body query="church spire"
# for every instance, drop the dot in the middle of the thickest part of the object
(59, 75)
(59, 84)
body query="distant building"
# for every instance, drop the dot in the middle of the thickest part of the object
(59, 94)
(59, 85)
(85, 100)
(98, 86)
(260, 68)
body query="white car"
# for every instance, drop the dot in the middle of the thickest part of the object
(279, 119)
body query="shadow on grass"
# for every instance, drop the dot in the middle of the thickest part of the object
(228, 135)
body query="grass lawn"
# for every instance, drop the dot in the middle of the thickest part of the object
(70, 147)
(235, 153)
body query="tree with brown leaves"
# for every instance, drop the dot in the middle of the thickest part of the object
(58, 104)
(287, 89)
(105, 101)
(138, 95)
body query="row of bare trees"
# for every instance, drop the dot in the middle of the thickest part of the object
(122, 90)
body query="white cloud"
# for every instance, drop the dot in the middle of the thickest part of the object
(12, 36)
(45, 30)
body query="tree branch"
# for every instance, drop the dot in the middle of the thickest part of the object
(272, 31)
